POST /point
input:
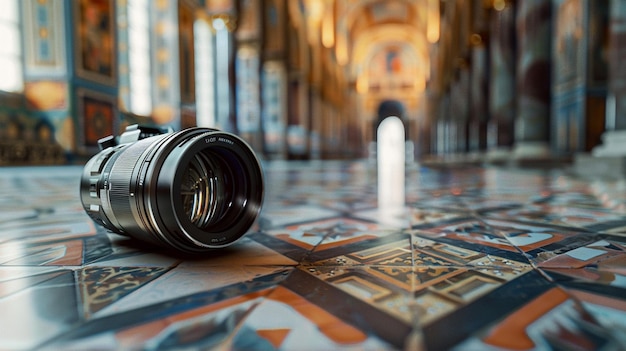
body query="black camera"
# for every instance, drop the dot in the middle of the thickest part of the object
(191, 190)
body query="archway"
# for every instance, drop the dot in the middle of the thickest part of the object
(390, 108)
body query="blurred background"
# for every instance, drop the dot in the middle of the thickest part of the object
(312, 79)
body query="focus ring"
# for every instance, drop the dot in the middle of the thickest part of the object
(120, 180)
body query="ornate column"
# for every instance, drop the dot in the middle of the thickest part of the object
(274, 79)
(614, 139)
(459, 114)
(534, 36)
(298, 125)
(442, 127)
(579, 76)
(478, 96)
(248, 72)
(502, 84)
(479, 81)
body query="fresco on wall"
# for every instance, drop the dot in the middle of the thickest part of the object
(97, 113)
(392, 68)
(95, 40)
(44, 52)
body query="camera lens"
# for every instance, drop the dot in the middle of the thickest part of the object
(199, 190)
(192, 190)
(204, 188)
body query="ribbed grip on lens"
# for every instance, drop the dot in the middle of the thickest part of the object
(120, 180)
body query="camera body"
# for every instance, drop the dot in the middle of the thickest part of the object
(193, 190)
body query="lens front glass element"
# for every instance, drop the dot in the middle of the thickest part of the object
(207, 189)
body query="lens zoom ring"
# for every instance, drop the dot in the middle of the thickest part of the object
(121, 178)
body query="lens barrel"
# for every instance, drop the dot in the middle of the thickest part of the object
(193, 190)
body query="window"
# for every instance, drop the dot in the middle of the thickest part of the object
(223, 45)
(140, 86)
(205, 76)
(11, 69)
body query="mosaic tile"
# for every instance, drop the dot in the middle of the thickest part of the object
(188, 281)
(479, 258)
(329, 233)
(286, 320)
(552, 320)
(101, 286)
(596, 218)
(281, 216)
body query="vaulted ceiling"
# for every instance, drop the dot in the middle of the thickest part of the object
(371, 26)
(382, 45)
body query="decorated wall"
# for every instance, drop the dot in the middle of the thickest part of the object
(304, 79)
(540, 73)
(297, 79)
(77, 68)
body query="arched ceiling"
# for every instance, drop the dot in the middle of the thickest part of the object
(381, 45)
(371, 24)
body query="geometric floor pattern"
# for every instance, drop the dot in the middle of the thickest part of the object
(480, 259)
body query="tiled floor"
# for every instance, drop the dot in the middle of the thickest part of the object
(484, 258)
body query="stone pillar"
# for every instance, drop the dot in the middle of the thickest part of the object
(534, 35)
(502, 84)
(274, 108)
(614, 139)
(248, 57)
(441, 126)
(479, 81)
(459, 106)
(247, 97)
(478, 96)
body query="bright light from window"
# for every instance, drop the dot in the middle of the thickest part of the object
(205, 78)
(223, 45)
(11, 48)
(139, 57)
